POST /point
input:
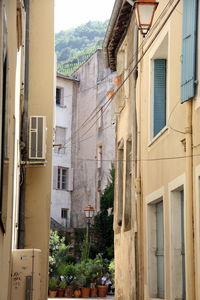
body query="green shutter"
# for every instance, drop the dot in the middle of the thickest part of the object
(189, 35)
(159, 95)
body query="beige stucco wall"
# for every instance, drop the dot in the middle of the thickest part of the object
(13, 86)
(41, 102)
(171, 172)
(125, 246)
(163, 165)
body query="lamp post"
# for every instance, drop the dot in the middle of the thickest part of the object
(89, 214)
(145, 10)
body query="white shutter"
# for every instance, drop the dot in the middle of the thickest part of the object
(55, 177)
(70, 179)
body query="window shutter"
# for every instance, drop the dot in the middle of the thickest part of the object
(189, 35)
(159, 95)
(70, 180)
(160, 249)
(55, 177)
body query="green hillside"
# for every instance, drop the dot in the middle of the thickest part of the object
(75, 45)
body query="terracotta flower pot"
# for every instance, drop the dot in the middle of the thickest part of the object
(68, 291)
(60, 293)
(85, 292)
(93, 292)
(52, 294)
(77, 293)
(102, 290)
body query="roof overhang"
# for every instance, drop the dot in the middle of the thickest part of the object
(116, 31)
(59, 75)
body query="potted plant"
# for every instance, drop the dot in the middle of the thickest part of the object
(102, 286)
(61, 288)
(69, 274)
(83, 272)
(93, 290)
(103, 277)
(76, 285)
(52, 287)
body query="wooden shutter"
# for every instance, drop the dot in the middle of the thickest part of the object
(55, 177)
(159, 95)
(189, 44)
(160, 249)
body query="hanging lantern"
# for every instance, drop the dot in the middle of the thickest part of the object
(145, 10)
(117, 80)
(110, 94)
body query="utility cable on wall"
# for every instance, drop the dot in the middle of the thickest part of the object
(107, 103)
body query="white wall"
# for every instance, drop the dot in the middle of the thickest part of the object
(61, 198)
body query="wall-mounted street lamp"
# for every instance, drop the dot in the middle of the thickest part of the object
(89, 213)
(145, 10)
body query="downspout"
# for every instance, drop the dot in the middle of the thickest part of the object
(24, 135)
(189, 224)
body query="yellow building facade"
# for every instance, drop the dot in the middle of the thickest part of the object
(27, 81)
(157, 161)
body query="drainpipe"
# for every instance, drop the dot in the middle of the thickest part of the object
(189, 223)
(24, 135)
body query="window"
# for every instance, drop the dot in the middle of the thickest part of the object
(120, 182)
(63, 178)
(159, 95)
(178, 245)
(99, 157)
(59, 96)
(156, 249)
(126, 72)
(60, 139)
(60, 178)
(127, 210)
(159, 86)
(64, 213)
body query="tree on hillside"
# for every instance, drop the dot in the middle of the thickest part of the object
(74, 43)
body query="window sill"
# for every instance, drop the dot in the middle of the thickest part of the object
(154, 139)
(60, 105)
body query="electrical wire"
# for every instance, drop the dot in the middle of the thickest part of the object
(90, 117)
(168, 123)
(142, 159)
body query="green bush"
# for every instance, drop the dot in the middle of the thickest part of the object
(58, 254)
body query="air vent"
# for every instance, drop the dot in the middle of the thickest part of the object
(37, 138)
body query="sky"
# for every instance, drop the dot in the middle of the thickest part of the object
(72, 13)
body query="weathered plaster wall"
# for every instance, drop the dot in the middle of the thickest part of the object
(125, 243)
(92, 90)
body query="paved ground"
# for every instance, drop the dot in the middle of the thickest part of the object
(97, 298)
